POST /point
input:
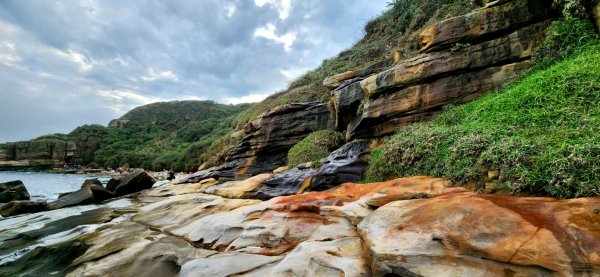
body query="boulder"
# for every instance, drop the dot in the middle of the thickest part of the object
(346, 164)
(130, 182)
(14, 190)
(484, 235)
(91, 183)
(22, 207)
(80, 197)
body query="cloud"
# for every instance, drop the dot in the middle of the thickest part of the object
(161, 75)
(268, 32)
(252, 98)
(64, 64)
(284, 7)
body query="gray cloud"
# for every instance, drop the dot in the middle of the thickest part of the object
(68, 63)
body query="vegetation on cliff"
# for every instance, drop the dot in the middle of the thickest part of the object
(166, 134)
(396, 30)
(315, 147)
(541, 133)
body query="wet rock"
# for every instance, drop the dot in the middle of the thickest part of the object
(346, 164)
(491, 235)
(130, 182)
(289, 182)
(22, 207)
(86, 195)
(14, 190)
(489, 21)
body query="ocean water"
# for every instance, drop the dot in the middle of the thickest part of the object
(47, 186)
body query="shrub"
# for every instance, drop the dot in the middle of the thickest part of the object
(315, 147)
(563, 38)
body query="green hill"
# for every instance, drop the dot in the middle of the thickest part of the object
(166, 134)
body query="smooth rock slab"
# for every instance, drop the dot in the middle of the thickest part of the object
(484, 235)
(225, 265)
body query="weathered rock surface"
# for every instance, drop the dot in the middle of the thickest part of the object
(22, 207)
(484, 235)
(386, 114)
(269, 137)
(338, 80)
(511, 48)
(485, 22)
(347, 164)
(14, 190)
(130, 182)
(239, 189)
(417, 226)
(288, 182)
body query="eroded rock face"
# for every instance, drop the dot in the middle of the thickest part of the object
(491, 235)
(269, 137)
(130, 182)
(463, 58)
(14, 190)
(346, 164)
(288, 182)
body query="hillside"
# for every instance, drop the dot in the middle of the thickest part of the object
(156, 136)
(166, 134)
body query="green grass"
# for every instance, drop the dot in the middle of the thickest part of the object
(541, 133)
(315, 147)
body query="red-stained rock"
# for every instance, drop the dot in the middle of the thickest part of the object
(485, 22)
(484, 235)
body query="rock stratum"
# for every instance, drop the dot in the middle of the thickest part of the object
(462, 58)
(417, 226)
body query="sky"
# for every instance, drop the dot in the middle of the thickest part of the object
(68, 63)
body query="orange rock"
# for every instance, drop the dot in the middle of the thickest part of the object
(485, 235)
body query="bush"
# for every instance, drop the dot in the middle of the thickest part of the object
(563, 38)
(542, 134)
(315, 147)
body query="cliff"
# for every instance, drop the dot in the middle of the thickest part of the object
(461, 59)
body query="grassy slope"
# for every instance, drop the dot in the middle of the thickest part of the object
(167, 134)
(542, 133)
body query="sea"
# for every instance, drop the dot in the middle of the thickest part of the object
(47, 186)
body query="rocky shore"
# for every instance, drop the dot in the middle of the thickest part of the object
(417, 226)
